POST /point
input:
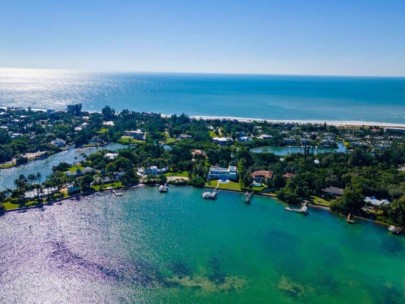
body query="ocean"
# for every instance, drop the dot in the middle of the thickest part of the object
(364, 99)
(148, 247)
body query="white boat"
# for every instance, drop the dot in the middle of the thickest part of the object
(395, 230)
(302, 210)
(210, 194)
(163, 188)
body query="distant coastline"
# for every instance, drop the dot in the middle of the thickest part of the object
(337, 123)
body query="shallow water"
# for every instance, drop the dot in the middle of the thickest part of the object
(147, 247)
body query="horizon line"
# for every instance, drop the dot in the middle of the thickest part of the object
(200, 73)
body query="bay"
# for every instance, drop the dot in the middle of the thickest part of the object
(147, 247)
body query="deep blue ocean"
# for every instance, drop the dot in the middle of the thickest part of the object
(254, 96)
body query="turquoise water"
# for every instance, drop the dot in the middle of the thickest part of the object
(147, 247)
(270, 97)
(284, 150)
(44, 166)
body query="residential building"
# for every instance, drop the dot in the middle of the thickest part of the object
(230, 173)
(262, 176)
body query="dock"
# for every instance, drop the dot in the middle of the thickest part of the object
(117, 193)
(248, 197)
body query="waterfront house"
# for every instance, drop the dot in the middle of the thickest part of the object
(136, 134)
(152, 170)
(230, 173)
(262, 176)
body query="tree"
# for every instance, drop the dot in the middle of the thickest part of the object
(75, 109)
(397, 211)
(108, 113)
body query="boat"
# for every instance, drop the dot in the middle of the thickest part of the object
(349, 219)
(395, 230)
(248, 197)
(211, 194)
(163, 188)
(303, 210)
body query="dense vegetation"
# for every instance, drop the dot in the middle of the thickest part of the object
(371, 168)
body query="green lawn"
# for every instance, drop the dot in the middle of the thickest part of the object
(7, 166)
(102, 131)
(320, 201)
(114, 185)
(224, 186)
(74, 168)
(10, 206)
(126, 140)
(170, 140)
(212, 134)
(181, 174)
(256, 189)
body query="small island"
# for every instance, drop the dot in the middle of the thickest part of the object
(356, 170)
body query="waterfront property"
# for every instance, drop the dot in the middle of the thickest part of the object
(262, 176)
(229, 173)
(152, 170)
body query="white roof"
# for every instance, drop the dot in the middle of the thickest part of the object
(376, 202)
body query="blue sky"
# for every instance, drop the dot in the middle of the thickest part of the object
(341, 37)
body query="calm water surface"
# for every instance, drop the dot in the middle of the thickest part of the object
(270, 97)
(147, 247)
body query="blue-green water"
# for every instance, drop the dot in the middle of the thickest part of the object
(147, 247)
(270, 97)
(284, 150)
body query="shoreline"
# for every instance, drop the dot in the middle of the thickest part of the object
(89, 194)
(337, 123)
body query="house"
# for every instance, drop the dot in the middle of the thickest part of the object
(262, 176)
(376, 202)
(152, 170)
(136, 134)
(334, 191)
(58, 143)
(108, 123)
(230, 173)
(184, 136)
(245, 139)
(264, 136)
(222, 140)
(111, 156)
(289, 175)
(88, 170)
